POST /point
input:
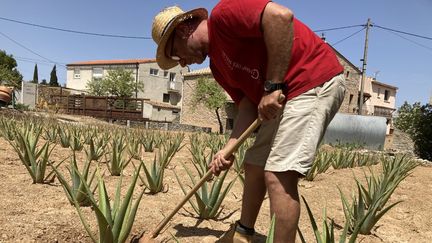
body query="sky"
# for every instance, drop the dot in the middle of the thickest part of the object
(400, 60)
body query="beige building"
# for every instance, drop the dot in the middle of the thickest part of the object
(380, 101)
(162, 88)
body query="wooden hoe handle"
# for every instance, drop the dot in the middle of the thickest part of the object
(206, 177)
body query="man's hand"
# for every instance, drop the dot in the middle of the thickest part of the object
(219, 163)
(270, 105)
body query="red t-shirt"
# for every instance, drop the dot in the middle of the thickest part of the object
(238, 55)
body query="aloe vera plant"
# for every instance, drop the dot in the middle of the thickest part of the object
(398, 166)
(169, 148)
(199, 158)
(321, 164)
(64, 136)
(382, 186)
(148, 141)
(33, 158)
(365, 159)
(50, 133)
(116, 161)
(96, 148)
(270, 235)
(76, 191)
(327, 234)
(134, 147)
(7, 129)
(365, 218)
(239, 159)
(115, 220)
(154, 176)
(208, 199)
(344, 159)
(75, 142)
(216, 142)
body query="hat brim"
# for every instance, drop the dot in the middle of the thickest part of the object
(162, 60)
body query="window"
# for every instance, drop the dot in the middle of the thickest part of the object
(172, 77)
(166, 74)
(166, 98)
(347, 74)
(175, 112)
(97, 73)
(379, 92)
(229, 123)
(154, 71)
(350, 99)
(77, 73)
(386, 95)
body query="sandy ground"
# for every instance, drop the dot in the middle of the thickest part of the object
(41, 213)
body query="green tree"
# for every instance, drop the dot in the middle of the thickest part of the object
(209, 93)
(96, 87)
(416, 120)
(118, 82)
(9, 74)
(53, 77)
(44, 81)
(35, 75)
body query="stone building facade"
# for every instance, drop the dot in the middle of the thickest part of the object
(198, 114)
(352, 77)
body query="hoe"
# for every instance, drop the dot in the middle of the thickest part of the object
(149, 237)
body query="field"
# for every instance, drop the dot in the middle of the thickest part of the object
(42, 213)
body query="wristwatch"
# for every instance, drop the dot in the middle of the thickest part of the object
(270, 86)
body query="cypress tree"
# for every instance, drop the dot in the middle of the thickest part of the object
(35, 75)
(53, 77)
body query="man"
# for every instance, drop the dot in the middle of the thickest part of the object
(258, 53)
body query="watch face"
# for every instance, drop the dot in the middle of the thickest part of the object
(268, 85)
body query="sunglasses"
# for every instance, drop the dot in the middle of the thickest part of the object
(172, 55)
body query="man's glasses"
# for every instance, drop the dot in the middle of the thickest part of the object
(172, 55)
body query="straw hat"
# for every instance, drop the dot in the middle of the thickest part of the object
(163, 25)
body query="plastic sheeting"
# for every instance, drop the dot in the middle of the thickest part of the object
(366, 131)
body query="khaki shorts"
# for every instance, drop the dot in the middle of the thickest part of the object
(289, 142)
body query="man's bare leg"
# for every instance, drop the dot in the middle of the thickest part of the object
(284, 203)
(253, 194)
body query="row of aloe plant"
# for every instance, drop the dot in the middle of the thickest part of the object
(339, 159)
(115, 219)
(367, 208)
(207, 201)
(35, 157)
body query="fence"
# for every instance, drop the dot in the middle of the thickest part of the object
(100, 106)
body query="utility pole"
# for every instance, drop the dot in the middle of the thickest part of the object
(363, 77)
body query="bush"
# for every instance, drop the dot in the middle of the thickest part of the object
(416, 120)
(21, 107)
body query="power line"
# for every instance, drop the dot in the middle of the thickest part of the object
(348, 36)
(403, 32)
(340, 28)
(414, 42)
(76, 31)
(38, 61)
(28, 49)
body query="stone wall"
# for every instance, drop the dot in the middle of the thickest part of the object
(401, 143)
(199, 115)
(165, 126)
